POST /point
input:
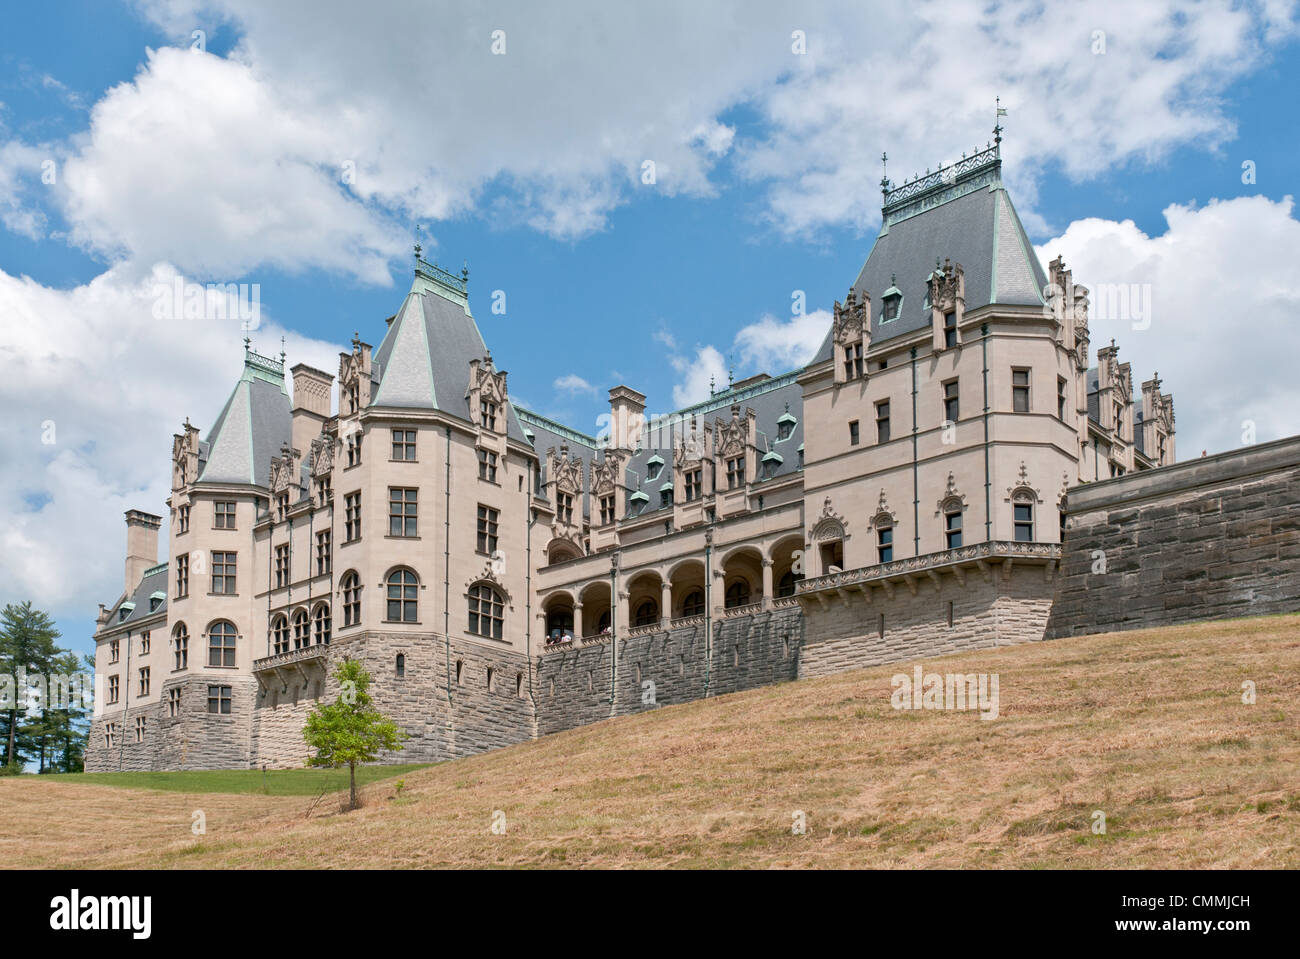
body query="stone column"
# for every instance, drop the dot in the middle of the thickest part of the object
(719, 591)
(577, 621)
(624, 614)
(767, 583)
(666, 604)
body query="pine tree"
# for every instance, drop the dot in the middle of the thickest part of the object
(350, 730)
(26, 641)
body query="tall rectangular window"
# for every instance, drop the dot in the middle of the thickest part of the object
(223, 515)
(1060, 397)
(281, 566)
(144, 680)
(949, 330)
(853, 433)
(606, 510)
(174, 701)
(401, 511)
(853, 362)
(223, 573)
(693, 483)
(113, 689)
(735, 473)
(404, 445)
(324, 560)
(354, 448)
(1024, 523)
(564, 508)
(182, 576)
(952, 529)
(352, 517)
(183, 518)
(487, 529)
(487, 415)
(951, 410)
(1020, 391)
(487, 465)
(885, 544)
(882, 421)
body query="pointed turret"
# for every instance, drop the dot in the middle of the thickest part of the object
(252, 426)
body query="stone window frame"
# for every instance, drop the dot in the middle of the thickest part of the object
(322, 624)
(301, 628)
(407, 583)
(485, 600)
(404, 441)
(233, 647)
(180, 642)
(279, 634)
(350, 590)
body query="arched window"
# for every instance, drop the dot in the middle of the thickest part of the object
(486, 611)
(737, 594)
(279, 634)
(221, 643)
(181, 646)
(323, 624)
(602, 622)
(403, 590)
(559, 622)
(351, 600)
(647, 614)
(401, 665)
(301, 630)
(785, 587)
(693, 604)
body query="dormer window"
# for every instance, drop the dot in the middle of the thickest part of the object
(853, 361)
(666, 495)
(652, 467)
(893, 303)
(949, 330)
(487, 415)
(785, 427)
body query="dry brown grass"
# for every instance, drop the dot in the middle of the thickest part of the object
(1147, 726)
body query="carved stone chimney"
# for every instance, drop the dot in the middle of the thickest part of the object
(311, 404)
(141, 545)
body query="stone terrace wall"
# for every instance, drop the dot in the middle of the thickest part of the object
(1210, 538)
(999, 610)
(573, 685)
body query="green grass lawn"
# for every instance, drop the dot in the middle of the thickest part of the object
(273, 782)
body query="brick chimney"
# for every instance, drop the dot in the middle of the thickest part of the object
(311, 404)
(141, 545)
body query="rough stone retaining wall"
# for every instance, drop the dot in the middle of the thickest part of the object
(999, 610)
(573, 685)
(1211, 538)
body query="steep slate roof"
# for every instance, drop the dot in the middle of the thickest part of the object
(153, 581)
(251, 428)
(545, 434)
(423, 361)
(768, 399)
(962, 213)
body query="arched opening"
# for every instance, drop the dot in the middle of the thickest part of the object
(559, 617)
(788, 565)
(322, 619)
(301, 630)
(280, 634)
(742, 578)
(595, 609)
(688, 589)
(487, 611)
(643, 596)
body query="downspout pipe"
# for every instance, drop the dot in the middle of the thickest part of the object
(988, 500)
(613, 632)
(916, 493)
(708, 608)
(446, 567)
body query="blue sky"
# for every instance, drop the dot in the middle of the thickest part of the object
(218, 164)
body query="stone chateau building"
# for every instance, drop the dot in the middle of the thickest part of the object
(503, 575)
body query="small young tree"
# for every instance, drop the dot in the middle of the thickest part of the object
(350, 730)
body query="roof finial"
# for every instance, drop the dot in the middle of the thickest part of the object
(1000, 111)
(711, 384)
(884, 173)
(418, 248)
(282, 351)
(247, 343)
